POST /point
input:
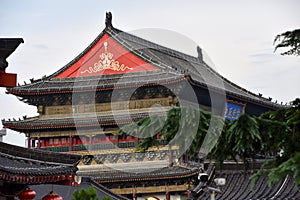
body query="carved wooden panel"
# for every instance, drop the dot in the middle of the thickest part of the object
(56, 110)
(105, 107)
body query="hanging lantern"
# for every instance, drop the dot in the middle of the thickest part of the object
(27, 194)
(52, 196)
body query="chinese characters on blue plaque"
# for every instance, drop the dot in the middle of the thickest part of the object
(233, 111)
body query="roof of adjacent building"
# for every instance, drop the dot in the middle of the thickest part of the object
(22, 165)
(238, 186)
(173, 172)
(163, 66)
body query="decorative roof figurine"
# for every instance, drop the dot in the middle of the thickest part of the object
(108, 19)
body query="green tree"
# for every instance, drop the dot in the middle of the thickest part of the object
(106, 198)
(276, 133)
(204, 122)
(222, 150)
(287, 141)
(289, 39)
(175, 128)
(243, 137)
(85, 194)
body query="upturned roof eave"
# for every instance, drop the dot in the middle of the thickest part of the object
(36, 123)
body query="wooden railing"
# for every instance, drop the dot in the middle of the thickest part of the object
(97, 146)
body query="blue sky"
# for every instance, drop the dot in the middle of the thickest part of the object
(237, 36)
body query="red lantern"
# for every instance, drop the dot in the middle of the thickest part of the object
(27, 194)
(52, 196)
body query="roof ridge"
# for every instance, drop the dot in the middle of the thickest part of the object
(35, 160)
(168, 50)
(78, 56)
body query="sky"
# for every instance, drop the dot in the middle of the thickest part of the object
(236, 35)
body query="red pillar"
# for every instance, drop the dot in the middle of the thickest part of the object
(39, 143)
(117, 144)
(188, 194)
(70, 143)
(33, 143)
(134, 195)
(28, 142)
(168, 195)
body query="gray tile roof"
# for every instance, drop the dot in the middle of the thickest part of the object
(165, 173)
(26, 163)
(36, 123)
(238, 186)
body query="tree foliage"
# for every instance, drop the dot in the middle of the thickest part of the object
(85, 194)
(106, 198)
(276, 134)
(173, 128)
(286, 139)
(243, 137)
(289, 39)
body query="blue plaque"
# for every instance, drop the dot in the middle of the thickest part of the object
(233, 111)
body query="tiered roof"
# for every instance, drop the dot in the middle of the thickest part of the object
(151, 64)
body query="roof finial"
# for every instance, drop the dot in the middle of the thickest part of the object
(108, 19)
(200, 56)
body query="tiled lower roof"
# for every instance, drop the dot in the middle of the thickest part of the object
(22, 165)
(36, 123)
(173, 172)
(35, 155)
(25, 167)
